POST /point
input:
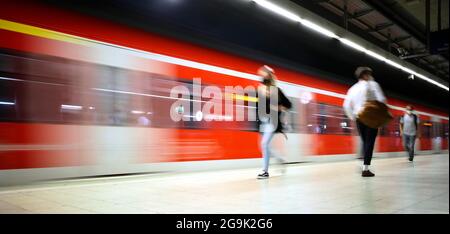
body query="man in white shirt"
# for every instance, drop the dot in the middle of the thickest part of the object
(409, 129)
(365, 89)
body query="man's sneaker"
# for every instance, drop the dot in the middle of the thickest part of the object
(411, 159)
(263, 175)
(367, 174)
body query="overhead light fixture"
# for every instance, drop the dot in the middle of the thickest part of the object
(276, 9)
(318, 28)
(353, 45)
(431, 81)
(280, 11)
(292, 16)
(375, 55)
(394, 64)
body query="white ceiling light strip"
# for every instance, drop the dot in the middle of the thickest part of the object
(278, 10)
(353, 45)
(318, 28)
(376, 55)
(283, 12)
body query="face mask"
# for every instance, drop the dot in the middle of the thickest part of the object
(266, 81)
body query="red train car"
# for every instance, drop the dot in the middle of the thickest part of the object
(83, 97)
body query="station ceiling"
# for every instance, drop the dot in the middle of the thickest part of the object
(397, 26)
(416, 8)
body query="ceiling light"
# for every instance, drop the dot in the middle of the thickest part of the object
(283, 12)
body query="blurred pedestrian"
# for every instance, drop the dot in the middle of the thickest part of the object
(268, 126)
(409, 129)
(364, 103)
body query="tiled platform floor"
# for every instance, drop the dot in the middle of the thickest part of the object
(399, 187)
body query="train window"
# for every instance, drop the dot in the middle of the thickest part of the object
(7, 100)
(292, 117)
(54, 90)
(8, 63)
(225, 120)
(445, 130)
(131, 98)
(38, 86)
(426, 129)
(38, 102)
(326, 119)
(392, 129)
(436, 130)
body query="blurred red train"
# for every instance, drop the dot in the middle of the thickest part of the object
(84, 97)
